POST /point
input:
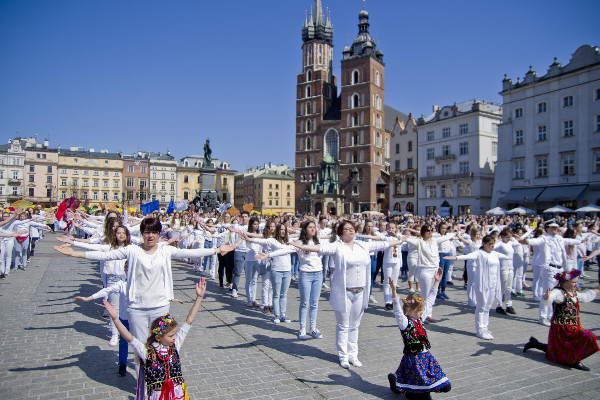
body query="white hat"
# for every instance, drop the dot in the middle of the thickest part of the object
(551, 223)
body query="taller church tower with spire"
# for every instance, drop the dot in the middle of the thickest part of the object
(341, 141)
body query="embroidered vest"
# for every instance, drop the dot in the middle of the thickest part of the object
(415, 338)
(157, 370)
(566, 313)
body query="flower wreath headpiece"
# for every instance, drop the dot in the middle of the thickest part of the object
(417, 300)
(163, 321)
(567, 275)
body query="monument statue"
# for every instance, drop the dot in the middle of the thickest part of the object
(207, 154)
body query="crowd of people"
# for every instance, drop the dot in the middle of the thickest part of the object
(346, 255)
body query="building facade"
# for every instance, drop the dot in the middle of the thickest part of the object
(458, 148)
(403, 166)
(41, 172)
(549, 140)
(270, 188)
(189, 178)
(90, 175)
(163, 178)
(347, 131)
(136, 176)
(12, 161)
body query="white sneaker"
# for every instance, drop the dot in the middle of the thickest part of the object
(354, 361)
(302, 334)
(325, 286)
(276, 320)
(316, 334)
(114, 340)
(344, 363)
(372, 300)
(544, 322)
(411, 291)
(285, 319)
(234, 293)
(485, 335)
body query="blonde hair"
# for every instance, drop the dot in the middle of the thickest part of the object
(413, 302)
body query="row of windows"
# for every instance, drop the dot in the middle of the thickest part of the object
(131, 168)
(567, 166)
(565, 101)
(406, 186)
(356, 77)
(48, 178)
(463, 129)
(85, 196)
(15, 190)
(446, 168)
(87, 172)
(447, 190)
(568, 130)
(95, 183)
(48, 168)
(409, 147)
(15, 174)
(32, 192)
(409, 164)
(163, 176)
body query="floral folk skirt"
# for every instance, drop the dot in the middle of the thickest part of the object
(420, 373)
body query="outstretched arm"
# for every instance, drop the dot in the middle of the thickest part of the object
(112, 311)
(200, 290)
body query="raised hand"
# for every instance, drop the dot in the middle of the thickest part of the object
(392, 286)
(110, 308)
(201, 288)
(64, 249)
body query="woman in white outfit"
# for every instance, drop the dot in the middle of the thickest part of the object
(350, 283)
(486, 281)
(428, 262)
(520, 257)
(473, 244)
(506, 245)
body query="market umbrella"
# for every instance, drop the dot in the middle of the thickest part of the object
(558, 210)
(496, 211)
(589, 209)
(521, 211)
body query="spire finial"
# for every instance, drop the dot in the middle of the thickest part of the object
(363, 4)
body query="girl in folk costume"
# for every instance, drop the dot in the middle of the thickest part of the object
(419, 372)
(161, 365)
(568, 342)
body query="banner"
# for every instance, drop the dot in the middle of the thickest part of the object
(149, 207)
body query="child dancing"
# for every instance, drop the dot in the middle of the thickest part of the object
(568, 342)
(161, 364)
(418, 373)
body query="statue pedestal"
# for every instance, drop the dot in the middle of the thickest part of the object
(208, 193)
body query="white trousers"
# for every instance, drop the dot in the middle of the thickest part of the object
(426, 281)
(518, 272)
(536, 283)
(390, 270)
(6, 251)
(547, 281)
(20, 251)
(412, 270)
(267, 289)
(471, 297)
(506, 280)
(485, 300)
(346, 329)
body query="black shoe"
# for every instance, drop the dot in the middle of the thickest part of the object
(389, 306)
(450, 283)
(500, 310)
(580, 367)
(122, 370)
(533, 342)
(392, 379)
(2, 276)
(511, 310)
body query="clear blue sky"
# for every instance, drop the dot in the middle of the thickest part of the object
(156, 75)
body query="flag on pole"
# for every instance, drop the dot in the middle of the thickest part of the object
(149, 207)
(171, 207)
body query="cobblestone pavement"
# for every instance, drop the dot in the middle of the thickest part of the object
(55, 348)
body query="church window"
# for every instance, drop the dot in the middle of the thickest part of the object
(309, 75)
(355, 101)
(332, 144)
(308, 94)
(308, 143)
(377, 80)
(355, 157)
(355, 77)
(355, 139)
(320, 54)
(308, 108)
(308, 126)
(309, 55)
(355, 119)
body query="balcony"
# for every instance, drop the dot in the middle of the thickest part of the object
(13, 181)
(448, 177)
(445, 157)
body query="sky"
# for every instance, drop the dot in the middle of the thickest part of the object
(155, 75)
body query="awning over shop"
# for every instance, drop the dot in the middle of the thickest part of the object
(519, 195)
(562, 193)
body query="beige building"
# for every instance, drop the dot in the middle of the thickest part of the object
(163, 178)
(189, 182)
(269, 187)
(90, 175)
(41, 172)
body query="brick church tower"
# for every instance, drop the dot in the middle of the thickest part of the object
(341, 141)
